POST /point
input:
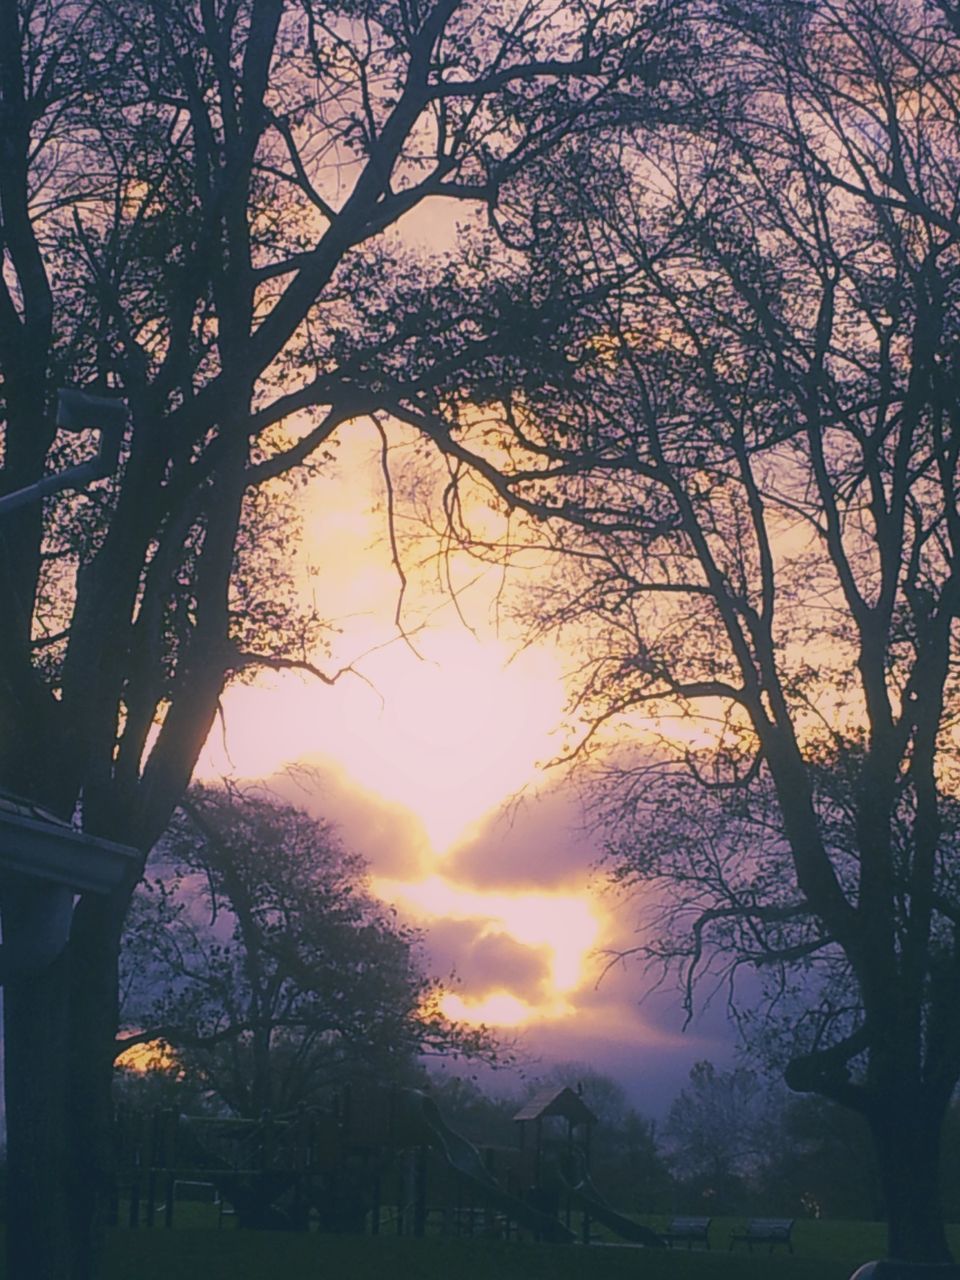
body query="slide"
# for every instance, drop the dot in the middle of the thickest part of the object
(586, 1196)
(466, 1159)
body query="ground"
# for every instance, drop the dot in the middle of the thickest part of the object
(824, 1251)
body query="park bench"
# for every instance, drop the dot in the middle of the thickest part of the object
(690, 1230)
(770, 1231)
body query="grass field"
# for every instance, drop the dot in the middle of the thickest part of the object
(823, 1251)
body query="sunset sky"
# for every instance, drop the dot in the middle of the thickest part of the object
(431, 765)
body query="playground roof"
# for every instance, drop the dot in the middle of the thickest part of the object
(557, 1102)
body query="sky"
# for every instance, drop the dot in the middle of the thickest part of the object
(429, 756)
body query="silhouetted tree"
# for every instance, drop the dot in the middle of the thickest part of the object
(719, 1134)
(824, 1164)
(256, 952)
(483, 1117)
(196, 204)
(745, 464)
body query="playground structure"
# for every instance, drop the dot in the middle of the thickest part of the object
(562, 1166)
(379, 1160)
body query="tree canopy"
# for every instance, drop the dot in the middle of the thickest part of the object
(255, 951)
(743, 464)
(198, 214)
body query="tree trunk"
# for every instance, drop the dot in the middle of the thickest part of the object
(907, 1139)
(35, 1087)
(59, 1026)
(94, 947)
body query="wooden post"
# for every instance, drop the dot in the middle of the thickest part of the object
(375, 1207)
(267, 1139)
(420, 1191)
(153, 1149)
(137, 1157)
(169, 1162)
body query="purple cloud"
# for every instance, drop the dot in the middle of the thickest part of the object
(486, 959)
(539, 842)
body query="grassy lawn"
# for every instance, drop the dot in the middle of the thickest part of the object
(823, 1251)
(202, 1255)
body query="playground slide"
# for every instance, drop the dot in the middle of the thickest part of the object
(466, 1159)
(587, 1197)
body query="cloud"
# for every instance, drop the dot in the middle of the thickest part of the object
(640, 1044)
(622, 1028)
(637, 1038)
(539, 842)
(486, 959)
(537, 846)
(391, 838)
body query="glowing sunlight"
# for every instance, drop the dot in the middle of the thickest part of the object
(447, 724)
(449, 736)
(567, 925)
